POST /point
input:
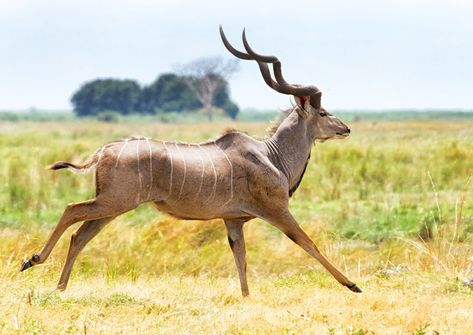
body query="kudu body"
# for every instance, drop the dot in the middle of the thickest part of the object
(236, 178)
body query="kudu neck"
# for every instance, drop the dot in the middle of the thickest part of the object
(290, 146)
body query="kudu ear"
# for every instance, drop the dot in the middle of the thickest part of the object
(304, 106)
(315, 100)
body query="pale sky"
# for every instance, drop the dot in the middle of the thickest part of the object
(362, 54)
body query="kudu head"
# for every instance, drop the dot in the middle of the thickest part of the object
(323, 124)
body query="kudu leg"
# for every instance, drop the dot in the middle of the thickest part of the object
(79, 239)
(237, 244)
(289, 226)
(87, 210)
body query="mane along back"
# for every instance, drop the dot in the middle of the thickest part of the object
(273, 127)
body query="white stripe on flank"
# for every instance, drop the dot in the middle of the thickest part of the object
(185, 171)
(215, 177)
(203, 170)
(172, 168)
(100, 154)
(150, 169)
(121, 150)
(231, 174)
(138, 160)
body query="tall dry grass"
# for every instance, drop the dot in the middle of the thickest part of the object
(391, 206)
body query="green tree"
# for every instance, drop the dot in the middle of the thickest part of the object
(170, 93)
(98, 95)
(222, 100)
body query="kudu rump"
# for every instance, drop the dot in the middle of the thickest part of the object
(235, 177)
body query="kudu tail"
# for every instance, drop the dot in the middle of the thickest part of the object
(85, 167)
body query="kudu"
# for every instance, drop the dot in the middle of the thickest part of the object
(235, 177)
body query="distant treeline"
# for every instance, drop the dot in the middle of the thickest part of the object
(245, 115)
(404, 114)
(168, 93)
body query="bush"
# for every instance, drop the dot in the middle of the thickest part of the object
(108, 116)
(9, 116)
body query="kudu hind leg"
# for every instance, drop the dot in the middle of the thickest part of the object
(87, 231)
(87, 210)
(288, 225)
(237, 244)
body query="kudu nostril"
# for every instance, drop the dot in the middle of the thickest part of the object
(348, 130)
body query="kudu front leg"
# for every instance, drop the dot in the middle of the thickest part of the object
(79, 239)
(289, 226)
(237, 244)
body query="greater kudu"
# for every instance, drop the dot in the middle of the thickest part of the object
(234, 177)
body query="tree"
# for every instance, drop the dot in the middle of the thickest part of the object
(222, 100)
(99, 95)
(205, 76)
(169, 93)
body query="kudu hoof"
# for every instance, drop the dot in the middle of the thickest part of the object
(26, 265)
(354, 288)
(30, 263)
(61, 287)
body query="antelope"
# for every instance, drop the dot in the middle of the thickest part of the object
(235, 177)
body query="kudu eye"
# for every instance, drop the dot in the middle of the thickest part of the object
(323, 114)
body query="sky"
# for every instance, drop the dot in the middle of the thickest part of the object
(366, 54)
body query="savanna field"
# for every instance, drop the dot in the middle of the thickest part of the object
(391, 206)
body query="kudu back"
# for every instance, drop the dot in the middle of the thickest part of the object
(235, 177)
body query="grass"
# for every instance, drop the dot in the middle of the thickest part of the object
(391, 206)
(206, 305)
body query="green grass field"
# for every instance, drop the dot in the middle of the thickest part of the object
(391, 206)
